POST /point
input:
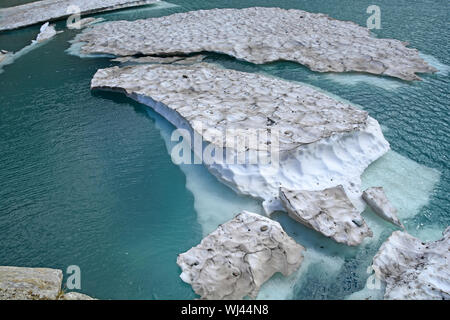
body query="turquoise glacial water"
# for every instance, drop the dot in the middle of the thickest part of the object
(86, 178)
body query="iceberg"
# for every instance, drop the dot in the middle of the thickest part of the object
(260, 35)
(50, 10)
(379, 203)
(322, 142)
(47, 32)
(413, 269)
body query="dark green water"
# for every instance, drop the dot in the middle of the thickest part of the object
(86, 178)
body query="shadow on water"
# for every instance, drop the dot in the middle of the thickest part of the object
(120, 98)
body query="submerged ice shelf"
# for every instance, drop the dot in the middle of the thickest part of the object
(260, 35)
(392, 171)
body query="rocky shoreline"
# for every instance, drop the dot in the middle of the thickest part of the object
(17, 283)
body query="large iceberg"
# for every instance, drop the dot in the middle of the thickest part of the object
(321, 142)
(260, 35)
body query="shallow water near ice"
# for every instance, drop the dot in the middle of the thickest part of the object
(86, 178)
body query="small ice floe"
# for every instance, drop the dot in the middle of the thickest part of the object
(19, 283)
(47, 32)
(238, 257)
(412, 269)
(328, 211)
(379, 203)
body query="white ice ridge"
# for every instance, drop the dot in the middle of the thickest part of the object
(49, 10)
(413, 269)
(328, 211)
(238, 257)
(323, 142)
(260, 35)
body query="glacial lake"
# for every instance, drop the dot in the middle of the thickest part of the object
(86, 177)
